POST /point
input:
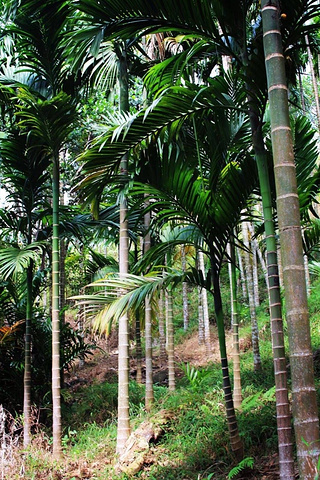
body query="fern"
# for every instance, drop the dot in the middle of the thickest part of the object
(245, 463)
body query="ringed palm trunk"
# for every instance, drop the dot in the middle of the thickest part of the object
(284, 429)
(205, 308)
(304, 400)
(149, 400)
(162, 333)
(56, 378)
(138, 335)
(170, 344)
(185, 305)
(235, 440)
(253, 315)
(237, 391)
(27, 363)
(123, 430)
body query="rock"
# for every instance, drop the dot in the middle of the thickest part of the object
(138, 444)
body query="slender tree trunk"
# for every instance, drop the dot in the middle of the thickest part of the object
(27, 362)
(138, 334)
(285, 445)
(255, 276)
(162, 334)
(302, 100)
(184, 291)
(123, 430)
(170, 345)
(138, 348)
(201, 337)
(149, 400)
(254, 323)
(56, 374)
(304, 399)
(237, 391)
(205, 308)
(235, 440)
(314, 81)
(242, 275)
(62, 282)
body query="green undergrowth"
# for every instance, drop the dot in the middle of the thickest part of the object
(194, 445)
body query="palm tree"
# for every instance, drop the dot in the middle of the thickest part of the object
(24, 173)
(207, 208)
(304, 404)
(233, 21)
(51, 118)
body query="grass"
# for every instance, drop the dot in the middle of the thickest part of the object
(194, 445)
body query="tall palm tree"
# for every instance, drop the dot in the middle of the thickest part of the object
(207, 201)
(51, 116)
(24, 173)
(304, 404)
(237, 20)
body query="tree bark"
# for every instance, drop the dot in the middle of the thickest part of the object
(185, 305)
(123, 429)
(235, 440)
(27, 362)
(237, 391)
(56, 375)
(149, 399)
(253, 316)
(304, 400)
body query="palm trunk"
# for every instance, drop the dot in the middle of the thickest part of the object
(162, 334)
(253, 316)
(237, 391)
(242, 275)
(185, 305)
(149, 400)
(235, 440)
(314, 81)
(304, 400)
(285, 446)
(27, 363)
(56, 378)
(205, 308)
(255, 277)
(123, 429)
(138, 334)
(170, 345)
(200, 318)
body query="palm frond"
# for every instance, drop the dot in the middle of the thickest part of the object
(15, 260)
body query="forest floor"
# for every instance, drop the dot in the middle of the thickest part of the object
(101, 368)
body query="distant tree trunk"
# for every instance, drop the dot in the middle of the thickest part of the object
(237, 391)
(314, 81)
(303, 103)
(56, 375)
(184, 291)
(254, 323)
(205, 308)
(235, 440)
(201, 338)
(162, 334)
(170, 345)
(138, 333)
(123, 430)
(149, 400)
(304, 398)
(255, 276)
(242, 275)
(27, 362)
(138, 348)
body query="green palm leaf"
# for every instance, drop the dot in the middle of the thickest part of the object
(15, 260)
